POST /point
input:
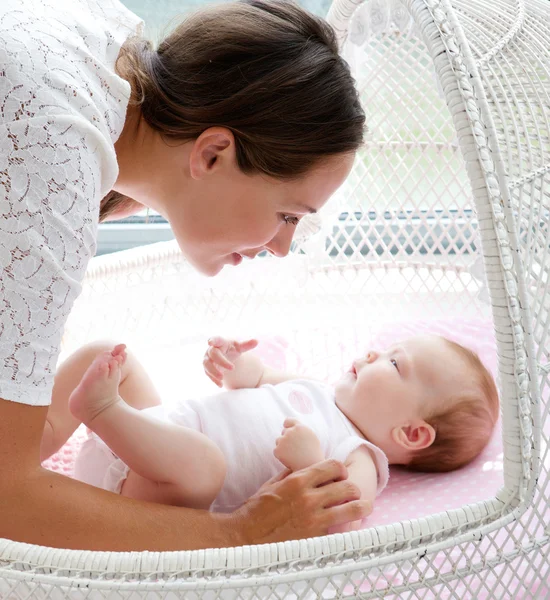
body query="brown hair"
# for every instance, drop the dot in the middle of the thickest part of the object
(266, 69)
(465, 425)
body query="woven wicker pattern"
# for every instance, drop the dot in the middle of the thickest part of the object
(457, 167)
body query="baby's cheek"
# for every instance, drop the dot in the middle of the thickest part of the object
(342, 388)
(371, 398)
(366, 387)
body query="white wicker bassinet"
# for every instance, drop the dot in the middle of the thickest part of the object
(457, 95)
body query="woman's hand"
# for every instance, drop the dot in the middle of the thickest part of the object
(299, 505)
(222, 355)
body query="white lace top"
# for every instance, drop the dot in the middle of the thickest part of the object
(62, 107)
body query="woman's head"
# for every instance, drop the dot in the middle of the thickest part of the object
(262, 82)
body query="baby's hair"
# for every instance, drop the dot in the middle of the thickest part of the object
(464, 425)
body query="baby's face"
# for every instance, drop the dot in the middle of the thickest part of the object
(400, 385)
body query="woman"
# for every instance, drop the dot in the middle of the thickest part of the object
(244, 120)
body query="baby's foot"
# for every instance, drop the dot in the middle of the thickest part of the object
(98, 388)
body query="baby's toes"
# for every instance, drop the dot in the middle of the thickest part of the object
(102, 368)
(114, 366)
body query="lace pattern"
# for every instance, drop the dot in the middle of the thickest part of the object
(62, 107)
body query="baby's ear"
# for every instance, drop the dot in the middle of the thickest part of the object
(415, 436)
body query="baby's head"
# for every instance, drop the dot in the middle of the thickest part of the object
(428, 403)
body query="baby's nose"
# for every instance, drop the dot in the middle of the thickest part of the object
(372, 355)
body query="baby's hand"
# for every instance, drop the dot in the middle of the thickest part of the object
(298, 447)
(222, 354)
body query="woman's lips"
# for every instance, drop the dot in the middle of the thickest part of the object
(236, 258)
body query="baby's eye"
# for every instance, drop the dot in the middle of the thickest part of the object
(290, 220)
(394, 363)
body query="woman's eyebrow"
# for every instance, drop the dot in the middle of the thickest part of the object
(304, 208)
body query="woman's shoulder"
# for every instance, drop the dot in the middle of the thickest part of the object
(97, 22)
(59, 58)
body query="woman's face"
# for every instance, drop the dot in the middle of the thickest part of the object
(227, 215)
(219, 214)
(231, 215)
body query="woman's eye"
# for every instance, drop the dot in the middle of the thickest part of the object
(290, 220)
(394, 363)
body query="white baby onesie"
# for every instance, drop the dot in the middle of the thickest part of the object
(244, 424)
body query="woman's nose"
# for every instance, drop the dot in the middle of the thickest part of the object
(279, 245)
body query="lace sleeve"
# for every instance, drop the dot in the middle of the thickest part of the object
(62, 107)
(50, 187)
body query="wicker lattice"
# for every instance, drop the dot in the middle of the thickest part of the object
(457, 167)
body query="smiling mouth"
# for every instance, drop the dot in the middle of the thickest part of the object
(353, 371)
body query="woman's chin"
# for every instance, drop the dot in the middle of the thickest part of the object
(208, 269)
(212, 268)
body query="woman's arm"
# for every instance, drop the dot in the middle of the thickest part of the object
(41, 507)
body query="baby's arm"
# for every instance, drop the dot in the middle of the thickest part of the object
(228, 363)
(362, 472)
(298, 447)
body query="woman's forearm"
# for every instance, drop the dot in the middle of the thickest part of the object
(49, 509)
(41, 507)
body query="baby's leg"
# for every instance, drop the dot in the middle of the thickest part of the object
(169, 463)
(136, 388)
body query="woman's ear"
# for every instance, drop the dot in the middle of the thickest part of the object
(212, 144)
(415, 436)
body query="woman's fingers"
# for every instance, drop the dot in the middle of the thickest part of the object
(356, 510)
(337, 492)
(301, 504)
(276, 478)
(324, 473)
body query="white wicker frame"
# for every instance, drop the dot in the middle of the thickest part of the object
(491, 62)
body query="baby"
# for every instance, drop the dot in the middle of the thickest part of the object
(427, 403)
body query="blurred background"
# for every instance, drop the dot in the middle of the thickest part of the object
(157, 14)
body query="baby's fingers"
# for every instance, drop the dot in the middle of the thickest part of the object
(212, 371)
(219, 342)
(246, 346)
(219, 359)
(215, 378)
